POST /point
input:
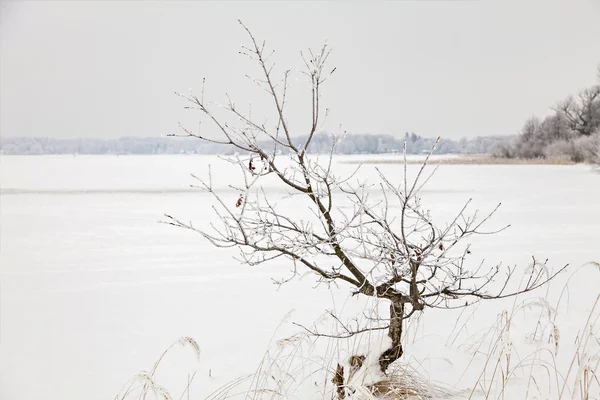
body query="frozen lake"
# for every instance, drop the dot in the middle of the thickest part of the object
(93, 288)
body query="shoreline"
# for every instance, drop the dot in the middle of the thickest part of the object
(472, 160)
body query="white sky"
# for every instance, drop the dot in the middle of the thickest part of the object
(450, 68)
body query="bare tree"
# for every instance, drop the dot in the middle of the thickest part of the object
(389, 248)
(582, 112)
(529, 130)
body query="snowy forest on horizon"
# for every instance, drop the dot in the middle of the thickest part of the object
(347, 144)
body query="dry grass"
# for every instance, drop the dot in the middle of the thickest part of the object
(545, 376)
(477, 159)
(405, 383)
(143, 385)
(293, 365)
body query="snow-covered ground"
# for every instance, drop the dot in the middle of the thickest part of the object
(93, 288)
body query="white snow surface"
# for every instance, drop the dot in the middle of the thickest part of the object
(370, 371)
(93, 289)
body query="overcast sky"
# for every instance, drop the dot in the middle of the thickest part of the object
(451, 68)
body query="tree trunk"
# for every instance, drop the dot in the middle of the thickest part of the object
(395, 333)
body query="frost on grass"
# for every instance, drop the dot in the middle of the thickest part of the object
(143, 385)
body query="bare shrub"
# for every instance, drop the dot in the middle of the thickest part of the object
(593, 148)
(530, 149)
(565, 148)
(505, 151)
(582, 149)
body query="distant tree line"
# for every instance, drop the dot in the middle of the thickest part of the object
(571, 131)
(321, 143)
